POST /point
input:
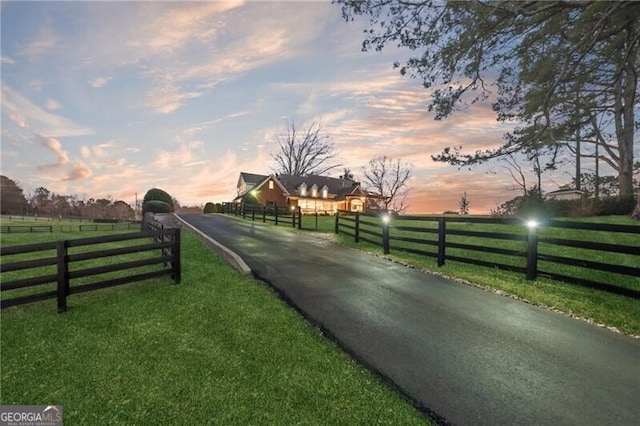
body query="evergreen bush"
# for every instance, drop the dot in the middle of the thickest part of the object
(156, 206)
(156, 194)
(209, 208)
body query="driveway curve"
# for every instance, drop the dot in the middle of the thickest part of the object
(467, 356)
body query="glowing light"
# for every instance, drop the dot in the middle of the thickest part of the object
(532, 223)
(386, 218)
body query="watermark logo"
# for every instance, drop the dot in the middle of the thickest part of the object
(30, 415)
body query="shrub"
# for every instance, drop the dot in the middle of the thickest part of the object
(209, 208)
(617, 206)
(155, 194)
(155, 206)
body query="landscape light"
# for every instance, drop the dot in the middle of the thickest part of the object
(386, 218)
(532, 223)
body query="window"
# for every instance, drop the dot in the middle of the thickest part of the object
(314, 190)
(303, 190)
(271, 203)
(270, 184)
(325, 192)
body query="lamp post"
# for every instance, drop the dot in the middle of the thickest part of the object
(532, 250)
(386, 218)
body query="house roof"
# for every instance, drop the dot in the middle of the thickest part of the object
(340, 187)
(565, 190)
(252, 177)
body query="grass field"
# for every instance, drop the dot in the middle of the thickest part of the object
(219, 348)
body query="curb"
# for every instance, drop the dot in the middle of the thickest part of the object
(229, 256)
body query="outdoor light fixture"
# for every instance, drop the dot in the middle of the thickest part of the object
(386, 218)
(532, 223)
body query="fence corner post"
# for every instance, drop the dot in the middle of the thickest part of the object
(385, 233)
(532, 252)
(62, 275)
(442, 244)
(176, 264)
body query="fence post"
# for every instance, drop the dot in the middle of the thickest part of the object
(244, 211)
(62, 275)
(357, 230)
(317, 220)
(532, 252)
(253, 214)
(299, 217)
(176, 265)
(385, 234)
(442, 235)
(264, 214)
(336, 225)
(275, 208)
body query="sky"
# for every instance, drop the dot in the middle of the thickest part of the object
(110, 99)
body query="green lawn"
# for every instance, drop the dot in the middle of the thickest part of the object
(219, 348)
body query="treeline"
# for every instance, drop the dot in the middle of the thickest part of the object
(49, 204)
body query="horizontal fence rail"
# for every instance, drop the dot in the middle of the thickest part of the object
(294, 217)
(69, 228)
(509, 244)
(62, 271)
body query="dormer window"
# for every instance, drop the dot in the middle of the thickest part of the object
(314, 190)
(303, 190)
(325, 192)
(271, 184)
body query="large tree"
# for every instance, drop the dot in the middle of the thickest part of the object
(553, 67)
(388, 178)
(12, 199)
(304, 151)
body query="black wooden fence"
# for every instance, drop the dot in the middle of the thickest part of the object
(518, 247)
(284, 215)
(167, 241)
(68, 228)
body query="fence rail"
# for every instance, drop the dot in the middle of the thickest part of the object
(165, 240)
(69, 228)
(279, 215)
(516, 247)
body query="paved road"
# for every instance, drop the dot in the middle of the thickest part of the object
(470, 356)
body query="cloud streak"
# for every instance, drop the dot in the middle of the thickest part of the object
(30, 116)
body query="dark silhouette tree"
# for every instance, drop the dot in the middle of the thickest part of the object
(304, 151)
(388, 178)
(12, 199)
(555, 67)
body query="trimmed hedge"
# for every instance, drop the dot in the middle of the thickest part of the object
(156, 194)
(155, 206)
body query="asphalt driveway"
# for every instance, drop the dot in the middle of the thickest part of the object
(470, 356)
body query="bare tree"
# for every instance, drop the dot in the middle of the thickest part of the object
(388, 177)
(463, 203)
(304, 151)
